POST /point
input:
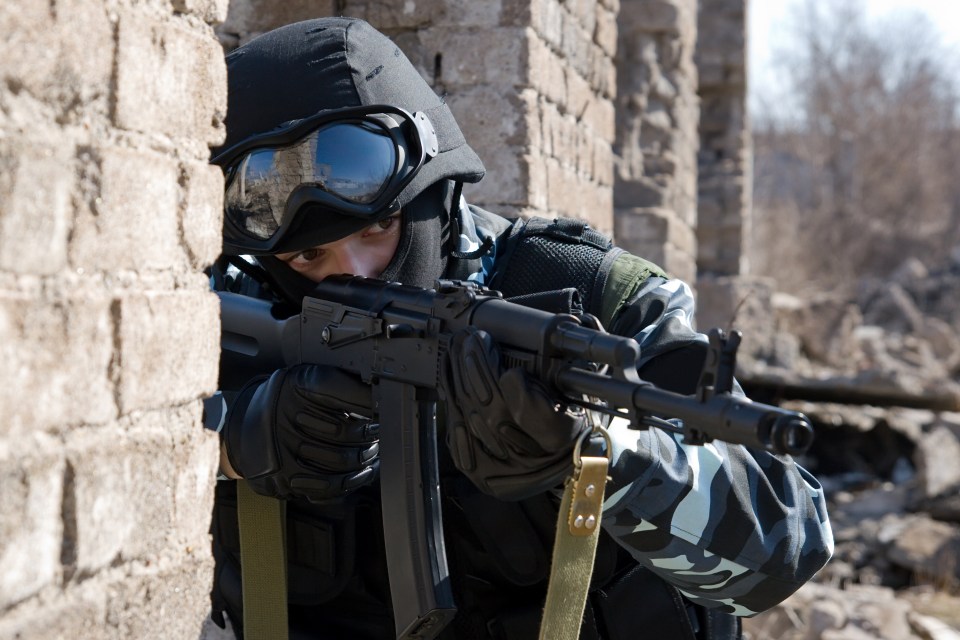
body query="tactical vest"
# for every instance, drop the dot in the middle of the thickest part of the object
(498, 552)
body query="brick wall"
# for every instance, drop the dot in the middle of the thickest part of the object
(109, 212)
(655, 188)
(729, 295)
(725, 149)
(108, 335)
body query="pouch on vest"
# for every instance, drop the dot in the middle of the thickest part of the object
(321, 550)
(543, 255)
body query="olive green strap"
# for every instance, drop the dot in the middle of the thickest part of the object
(263, 562)
(578, 529)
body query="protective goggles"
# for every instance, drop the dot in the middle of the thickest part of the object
(354, 162)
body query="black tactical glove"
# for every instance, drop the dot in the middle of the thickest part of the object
(504, 430)
(300, 434)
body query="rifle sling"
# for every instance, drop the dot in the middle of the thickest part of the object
(574, 549)
(263, 564)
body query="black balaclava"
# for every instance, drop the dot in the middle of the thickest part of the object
(332, 63)
(420, 259)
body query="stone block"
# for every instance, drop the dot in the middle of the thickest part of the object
(388, 16)
(469, 13)
(202, 213)
(31, 474)
(597, 207)
(574, 195)
(612, 6)
(246, 17)
(491, 119)
(725, 36)
(720, 251)
(547, 72)
(529, 104)
(160, 65)
(679, 264)
(663, 163)
(657, 124)
(602, 74)
(169, 345)
(62, 55)
(211, 11)
(564, 135)
(550, 120)
(469, 59)
(575, 45)
(654, 226)
(935, 458)
(643, 226)
(585, 14)
(684, 237)
(603, 159)
(583, 150)
(602, 118)
(640, 192)
(536, 170)
(87, 46)
(25, 25)
(132, 222)
(196, 454)
(507, 180)
(579, 97)
(36, 181)
(57, 357)
(651, 16)
(77, 614)
(119, 494)
(499, 127)
(177, 595)
(546, 18)
(169, 600)
(559, 189)
(929, 548)
(712, 75)
(605, 31)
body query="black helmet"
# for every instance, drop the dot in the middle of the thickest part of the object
(319, 75)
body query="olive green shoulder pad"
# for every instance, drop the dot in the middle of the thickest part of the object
(626, 275)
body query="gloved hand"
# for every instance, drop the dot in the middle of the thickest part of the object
(504, 430)
(301, 434)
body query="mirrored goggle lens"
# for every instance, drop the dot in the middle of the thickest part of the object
(352, 161)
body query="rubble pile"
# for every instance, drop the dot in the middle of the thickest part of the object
(878, 373)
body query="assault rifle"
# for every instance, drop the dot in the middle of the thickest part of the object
(395, 338)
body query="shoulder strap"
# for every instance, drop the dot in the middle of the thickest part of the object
(263, 564)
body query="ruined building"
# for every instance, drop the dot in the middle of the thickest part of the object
(629, 113)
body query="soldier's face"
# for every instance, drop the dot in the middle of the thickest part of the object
(364, 253)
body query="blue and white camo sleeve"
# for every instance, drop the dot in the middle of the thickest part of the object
(731, 527)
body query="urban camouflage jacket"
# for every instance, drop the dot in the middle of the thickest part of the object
(732, 528)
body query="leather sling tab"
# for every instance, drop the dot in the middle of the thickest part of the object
(574, 549)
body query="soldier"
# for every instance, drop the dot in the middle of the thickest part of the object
(340, 159)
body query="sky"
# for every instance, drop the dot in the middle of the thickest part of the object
(768, 26)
